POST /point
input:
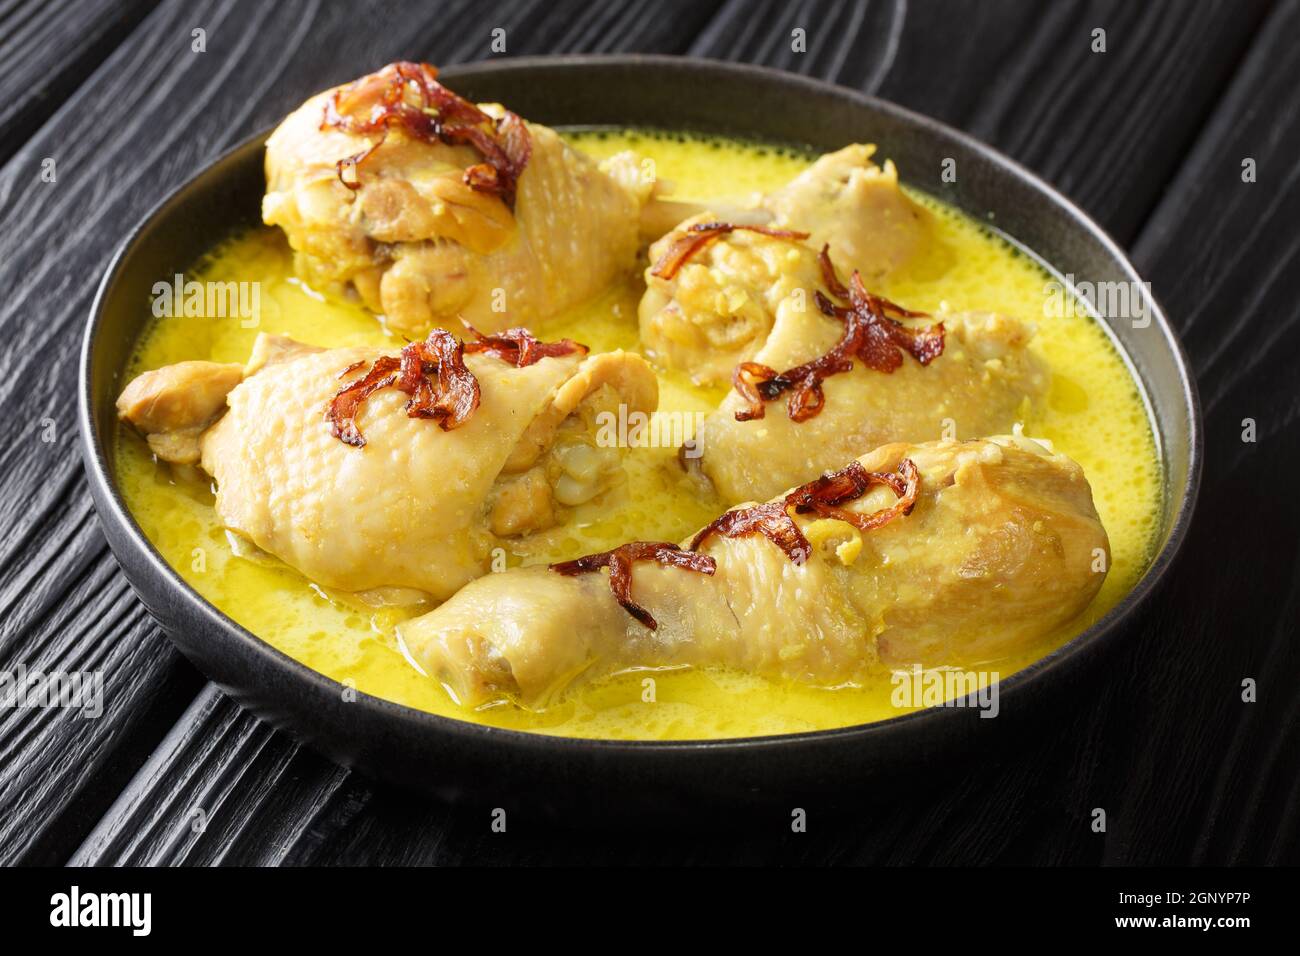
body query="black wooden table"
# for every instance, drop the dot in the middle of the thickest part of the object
(1151, 137)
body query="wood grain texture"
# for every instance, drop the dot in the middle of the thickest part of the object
(1223, 254)
(47, 49)
(1108, 128)
(235, 791)
(1160, 739)
(74, 612)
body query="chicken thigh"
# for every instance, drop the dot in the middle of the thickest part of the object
(399, 506)
(951, 553)
(431, 208)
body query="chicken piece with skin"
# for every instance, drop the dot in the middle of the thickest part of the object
(717, 309)
(422, 246)
(1000, 548)
(417, 511)
(982, 384)
(848, 202)
(173, 406)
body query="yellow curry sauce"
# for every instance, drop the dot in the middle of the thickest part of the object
(1094, 413)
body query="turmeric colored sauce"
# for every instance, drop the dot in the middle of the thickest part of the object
(1094, 413)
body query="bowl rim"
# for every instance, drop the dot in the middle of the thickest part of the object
(111, 507)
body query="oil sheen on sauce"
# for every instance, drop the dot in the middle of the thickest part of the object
(1094, 413)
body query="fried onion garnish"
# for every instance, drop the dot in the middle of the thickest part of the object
(619, 561)
(408, 96)
(823, 496)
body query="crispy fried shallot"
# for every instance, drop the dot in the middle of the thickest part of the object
(342, 409)
(408, 96)
(619, 561)
(696, 237)
(432, 372)
(519, 347)
(823, 496)
(770, 519)
(872, 335)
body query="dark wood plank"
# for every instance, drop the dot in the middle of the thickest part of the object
(150, 115)
(1032, 805)
(266, 800)
(1224, 256)
(1109, 129)
(60, 770)
(47, 49)
(235, 791)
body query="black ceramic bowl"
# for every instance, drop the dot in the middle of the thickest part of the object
(449, 757)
